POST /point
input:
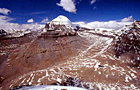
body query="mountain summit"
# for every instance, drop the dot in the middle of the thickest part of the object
(62, 20)
(60, 26)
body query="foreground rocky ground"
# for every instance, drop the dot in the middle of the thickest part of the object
(90, 60)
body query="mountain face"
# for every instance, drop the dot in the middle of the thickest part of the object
(60, 55)
(62, 26)
(12, 39)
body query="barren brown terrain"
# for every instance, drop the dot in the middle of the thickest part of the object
(86, 60)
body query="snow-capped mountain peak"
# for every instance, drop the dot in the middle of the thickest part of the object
(61, 20)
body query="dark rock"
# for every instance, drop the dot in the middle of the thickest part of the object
(129, 42)
(20, 87)
(72, 81)
(2, 33)
(47, 25)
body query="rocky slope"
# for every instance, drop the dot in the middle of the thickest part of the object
(129, 43)
(39, 54)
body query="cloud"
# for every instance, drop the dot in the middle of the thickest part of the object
(112, 24)
(108, 25)
(94, 7)
(93, 1)
(4, 19)
(35, 13)
(6, 24)
(130, 18)
(5, 11)
(30, 20)
(44, 20)
(68, 5)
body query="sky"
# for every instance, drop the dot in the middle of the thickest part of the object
(23, 12)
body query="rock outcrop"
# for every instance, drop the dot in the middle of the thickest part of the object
(2, 33)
